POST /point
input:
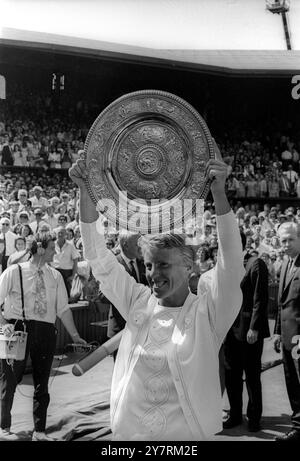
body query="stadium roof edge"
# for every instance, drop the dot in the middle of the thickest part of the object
(225, 62)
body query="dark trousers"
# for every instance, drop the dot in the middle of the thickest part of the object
(4, 262)
(239, 357)
(66, 273)
(41, 342)
(292, 380)
(222, 368)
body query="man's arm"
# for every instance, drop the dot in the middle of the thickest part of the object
(68, 321)
(75, 267)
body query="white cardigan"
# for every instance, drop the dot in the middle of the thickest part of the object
(198, 333)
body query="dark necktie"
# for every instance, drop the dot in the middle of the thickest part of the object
(133, 271)
(288, 271)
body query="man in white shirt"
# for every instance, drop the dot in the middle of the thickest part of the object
(38, 221)
(22, 198)
(45, 297)
(50, 217)
(8, 238)
(13, 211)
(37, 200)
(292, 177)
(66, 258)
(166, 382)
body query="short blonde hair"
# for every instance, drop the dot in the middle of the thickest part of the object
(168, 242)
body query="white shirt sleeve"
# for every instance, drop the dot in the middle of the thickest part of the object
(61, 296)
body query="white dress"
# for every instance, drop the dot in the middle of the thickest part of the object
(151, 409)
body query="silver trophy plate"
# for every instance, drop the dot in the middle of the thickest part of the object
(146, 155)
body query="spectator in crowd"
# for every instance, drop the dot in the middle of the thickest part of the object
(292, 177)
(62, 221)
(26, 231)
(204, 261)
(77, 235)
(55, 203)
(22, 198)
(66, 258)
(287, 158)
(38, 221)
(37, 200)
(262, 186)
(22, 252)
(266, 257)
(13, 211)
(8, 238)
(244, 346)
(62, 209)
(74, 219)
(7, 156)
(70, 235)
(45, 298)
(284, 185)
(51, 218)
(273, 186)
(23, 218)
(66, 160)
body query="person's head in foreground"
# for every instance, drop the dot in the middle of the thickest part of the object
(289, 235)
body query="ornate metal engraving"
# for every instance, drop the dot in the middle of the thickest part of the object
(146, 152)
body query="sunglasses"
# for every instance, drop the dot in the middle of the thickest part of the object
(5, 224)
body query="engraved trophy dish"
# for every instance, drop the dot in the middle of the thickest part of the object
(146, 155)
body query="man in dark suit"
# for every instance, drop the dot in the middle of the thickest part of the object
(130, 258)
(287, 327)
(244, 346)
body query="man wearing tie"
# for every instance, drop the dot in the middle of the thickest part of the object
(33, 293)
(287, 327)
(130, 258)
